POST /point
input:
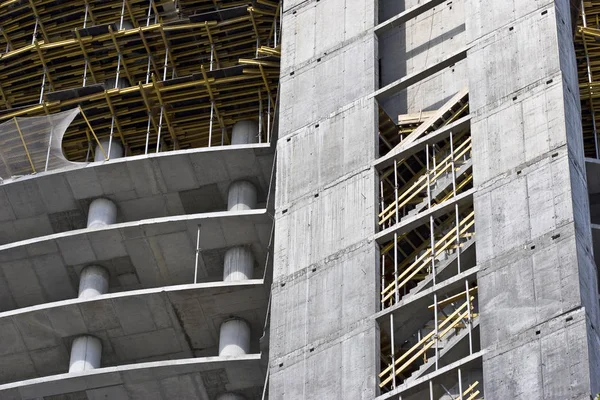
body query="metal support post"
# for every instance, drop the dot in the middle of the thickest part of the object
(210, 126)
(397, 294)
(110, 139)
(260, 117)
(460, 389)
(396, 191)
(43, 86)
(35, 30)
(166, 64)
(197, 255)
(431, 390)
(148, 133)
(392, 350)
(435, 317)
(469, 316)
(159, 129)
(85, 64)
(458, 246)
(269, 119)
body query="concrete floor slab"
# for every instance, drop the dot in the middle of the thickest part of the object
(191, 378)
(135, 326)
(143, 254)
(152, 186)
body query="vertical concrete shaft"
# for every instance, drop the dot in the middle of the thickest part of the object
(324, 205)
(116, 150)
(86, 352)
(234, 338)
(239, 264)
(245, 132)
(102, 212)
(242, 196)
(537, 286)
(93, 282)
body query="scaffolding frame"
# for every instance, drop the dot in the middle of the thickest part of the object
(171, 102)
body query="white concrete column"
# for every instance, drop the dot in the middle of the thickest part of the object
(116, 150)
(234, 338)
(245, 132)
(93, 282)
(239, 264)
(121, 83)
(86, 352)
(231, 396)
(102, 212)
(241, 196)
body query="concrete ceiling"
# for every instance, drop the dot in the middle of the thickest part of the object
(189, 379)
(152, 186)
(137, 326)
(144, 254)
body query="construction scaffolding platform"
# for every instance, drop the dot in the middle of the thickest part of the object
(157, 76)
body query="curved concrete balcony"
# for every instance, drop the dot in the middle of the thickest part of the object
(196, 378)
(142, 254)
(148, 186)
(137, 326)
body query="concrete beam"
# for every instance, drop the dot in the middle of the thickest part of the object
(406, 15)
(198, 378)
(163, 323)
(413, 78)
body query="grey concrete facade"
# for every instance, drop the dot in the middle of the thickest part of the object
(538, 279)
(533, 257)
(323, 341)
(215, 274)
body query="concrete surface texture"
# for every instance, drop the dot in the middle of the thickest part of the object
(131, 327)
(143, 254)
(418, 43)
(323, 339)
(538, 280)
(142, 187)
(194, 378)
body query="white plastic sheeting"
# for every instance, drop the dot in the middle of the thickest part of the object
(34, 144)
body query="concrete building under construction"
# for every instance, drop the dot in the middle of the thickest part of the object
(318, 199)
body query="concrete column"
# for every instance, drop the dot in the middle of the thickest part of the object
(242, 196)
(85, 353)
(116, 150)
(93, 282)
(121, 83)
(102, 212)
(234, 338)
(231, 396)
(245, 132)
(239, 264)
